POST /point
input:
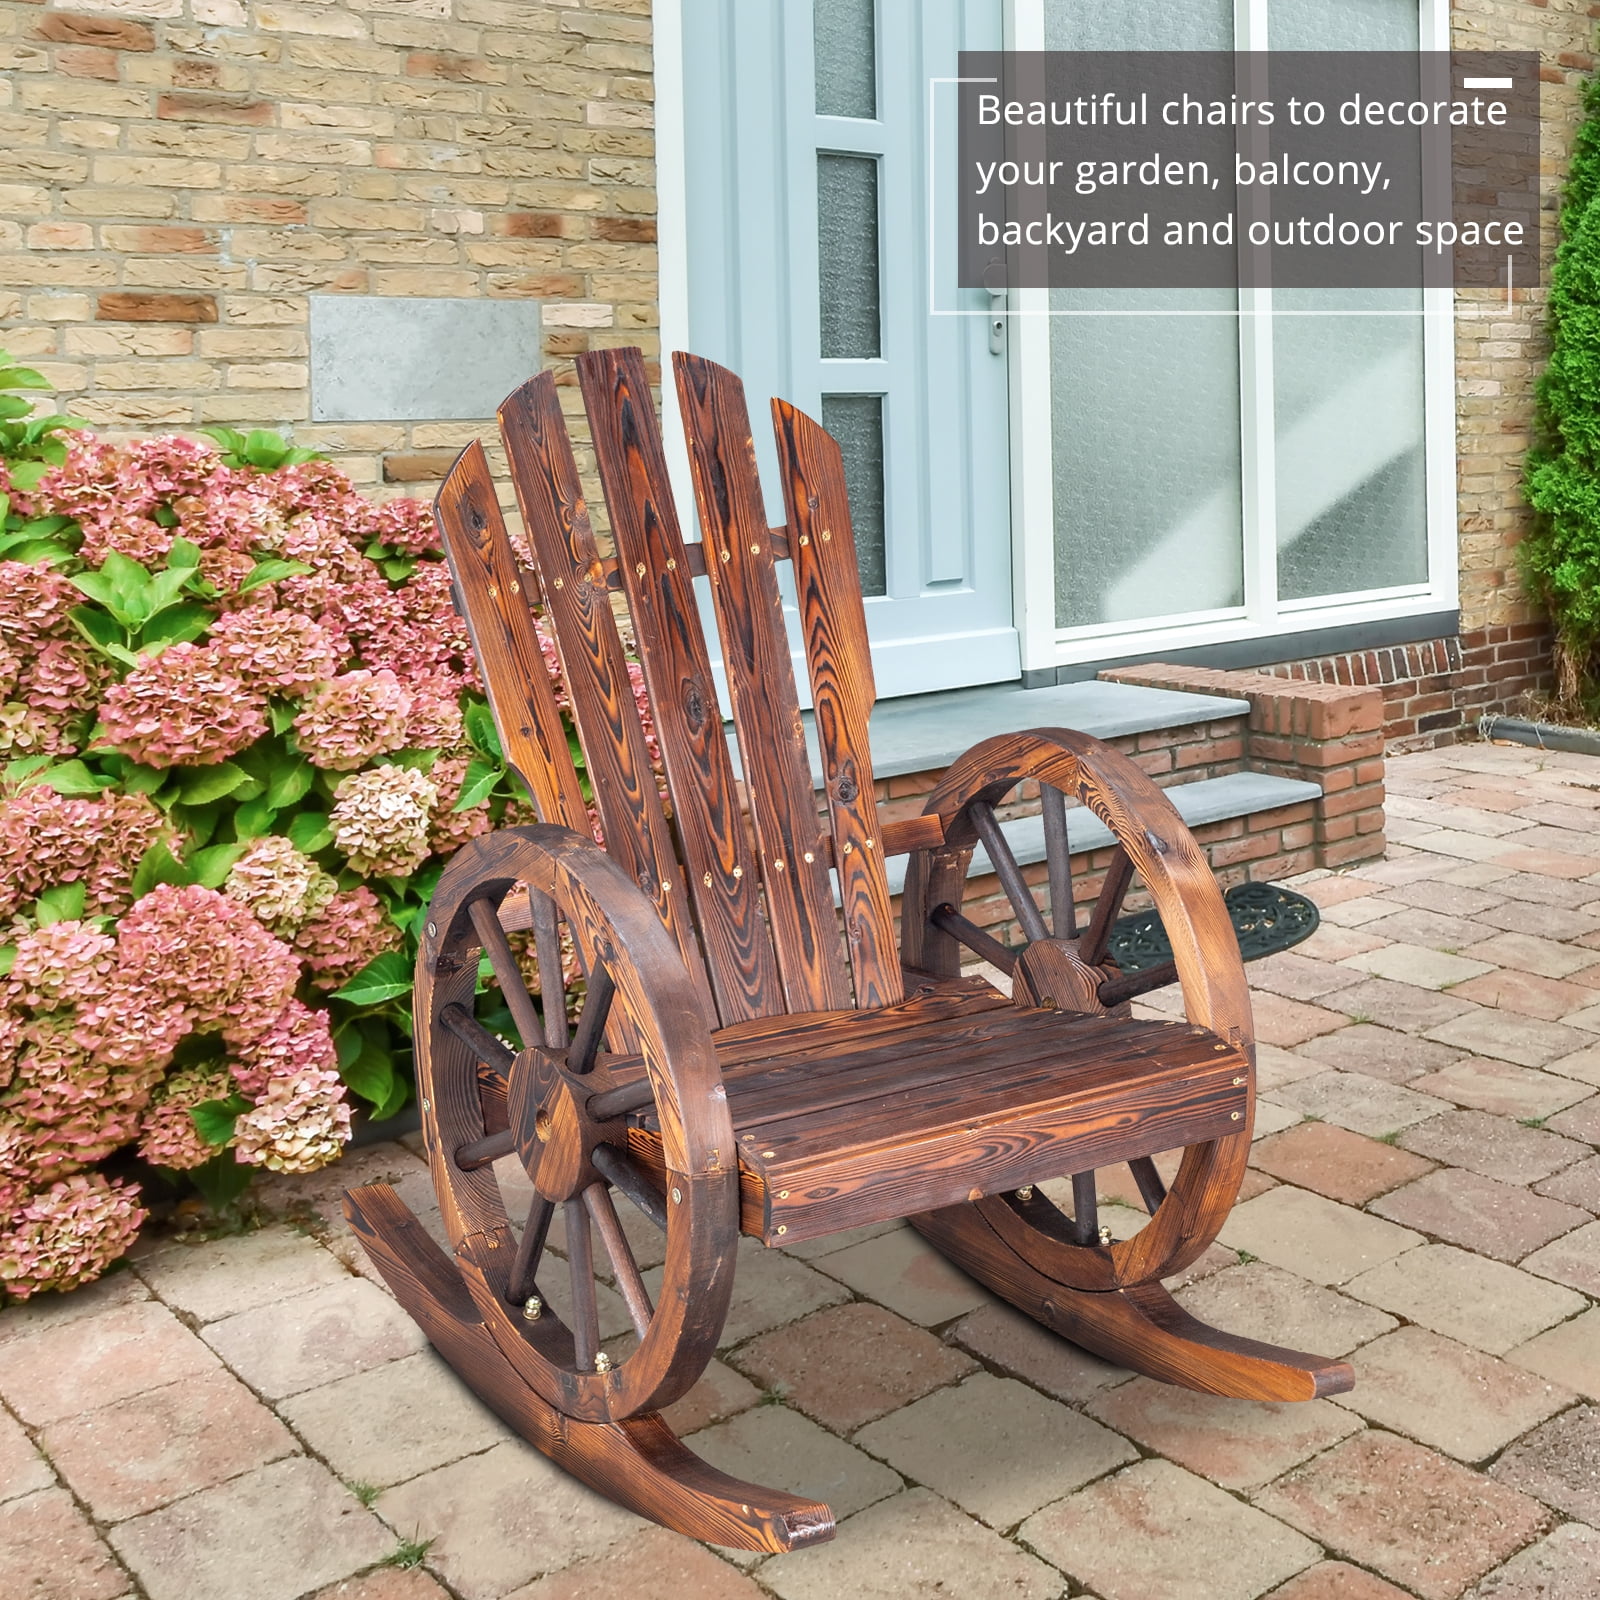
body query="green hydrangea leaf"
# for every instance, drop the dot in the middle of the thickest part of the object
(64, 903)
(216, 1119)
(385, 977)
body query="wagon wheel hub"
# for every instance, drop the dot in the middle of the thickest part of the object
(556, 1134)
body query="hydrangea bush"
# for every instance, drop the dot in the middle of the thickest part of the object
(240, 729)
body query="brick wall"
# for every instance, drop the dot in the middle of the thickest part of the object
(176, 176)
(1435, 692)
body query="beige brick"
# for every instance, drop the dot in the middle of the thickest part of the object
(60, 236)
(268, 375)
(24, 200)
(150, 339)
(90, 135)
(156, 170)
(304, 19)
(252, 342)
(151, 203)
(189, 375)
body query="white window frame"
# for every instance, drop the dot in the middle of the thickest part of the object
(1262, 615)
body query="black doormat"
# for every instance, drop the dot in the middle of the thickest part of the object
(1265, 917)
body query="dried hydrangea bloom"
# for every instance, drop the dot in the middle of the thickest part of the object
(407, 526)
(298, 1125)
(381, 818)
(114, 492)
(352, 718)
(34, 602)
(300, 1040)
(68, 1234)
(45, 839)
(324, 545)
(74, 1142)
(203, 951)
(10, 1044)
(182, 709)
(126, 825)
(27, 731)
(132, 1030)
(435, 719)
(64, 678)
(450, 829)
(63, 964)
(283, 887)
(276, 649)
(351, 930)
(168, 1136)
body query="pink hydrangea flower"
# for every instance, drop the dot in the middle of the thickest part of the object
(182, 709)
(132, 1030)
(351, 930)
(68, 1234)
(352, 718)
(45, 839)
(64, 964)
(126, 825)
(168, 1136)
(34, 602)
(380, 819)
(206, 953)
(27, 731)
(10, 1045)
(300, 1040)
(276, 649)
(280, 885)
(299, 1124)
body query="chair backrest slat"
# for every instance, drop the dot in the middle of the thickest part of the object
(833, 624)
(545, 476)
(510, 656)
(766, 708)
(655, 567)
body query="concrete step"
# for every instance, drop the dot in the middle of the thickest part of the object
(1238, 794)
(925, 733)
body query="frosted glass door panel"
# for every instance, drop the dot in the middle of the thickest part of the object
(847, 255)
(1348, 404)
(847, 58)
(856, 423)
(1349, 25)
(1146, 456)
(1177, 25)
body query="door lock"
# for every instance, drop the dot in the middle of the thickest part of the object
(997, 322)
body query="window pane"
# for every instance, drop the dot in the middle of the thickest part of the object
(1347, 400)
(847, 65)
(847, 232)
(856, 422)
(1349, 25)
(1146, 456)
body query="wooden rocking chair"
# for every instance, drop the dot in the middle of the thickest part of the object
(752, 1053)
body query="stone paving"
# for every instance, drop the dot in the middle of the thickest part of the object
(253, 1418)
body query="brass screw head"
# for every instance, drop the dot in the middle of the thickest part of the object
(1237, 1116)
(532, 1308)
(602, 1363)
(433, 930)
(1025, 1192)
(1105, 1235)
(677, 1196)
(427, 1105)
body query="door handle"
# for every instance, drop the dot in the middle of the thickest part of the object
(997, 322)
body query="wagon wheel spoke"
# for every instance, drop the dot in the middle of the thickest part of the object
(598, 1199)
(1086, 1207)
(525, 1267)
(1029, 917)
(1058, 859)
(1097, 940)
(580, 1268)
(591, 1021)
(629, 1178)
(504, 964)
(1151, 1188)
(547, 950)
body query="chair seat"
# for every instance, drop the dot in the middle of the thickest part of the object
(844, 1118)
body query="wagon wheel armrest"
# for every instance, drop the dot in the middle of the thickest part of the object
(1152, 841)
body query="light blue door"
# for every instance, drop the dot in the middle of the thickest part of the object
(807, 131)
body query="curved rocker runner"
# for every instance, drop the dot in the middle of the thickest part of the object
(629, 1057)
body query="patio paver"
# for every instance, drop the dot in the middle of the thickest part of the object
(1156, 1532)
(196, 1462)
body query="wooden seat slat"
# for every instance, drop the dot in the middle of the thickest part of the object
(545, 476)
(495, 606)
(766, 707)
(722, 871)
(833, 625)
